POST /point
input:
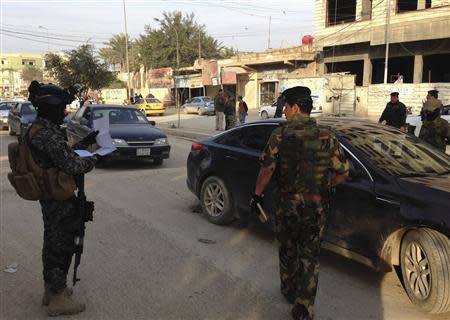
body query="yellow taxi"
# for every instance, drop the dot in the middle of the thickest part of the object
(150, 106)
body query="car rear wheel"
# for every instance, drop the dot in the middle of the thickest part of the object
(11, 131)
(264, 115)
(216, 201)
(425, 264)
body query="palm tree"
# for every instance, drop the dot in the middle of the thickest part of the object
(115, 53)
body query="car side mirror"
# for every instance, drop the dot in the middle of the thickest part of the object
(153, 123)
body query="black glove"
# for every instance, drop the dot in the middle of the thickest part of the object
(90, 207)
(90, 138)
(256, 206)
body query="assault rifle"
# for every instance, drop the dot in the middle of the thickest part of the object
(85, 210)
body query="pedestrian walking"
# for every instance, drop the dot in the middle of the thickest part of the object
(219, 105)
(395, 113)
(230, 113)
(433, 95)
(280, 106)
(46, 143)
(309, 161)
(243, 110)
(435, 130)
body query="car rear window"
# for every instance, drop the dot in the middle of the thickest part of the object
(28, 109)
(152, 101)
(253, 137)
(395, 153)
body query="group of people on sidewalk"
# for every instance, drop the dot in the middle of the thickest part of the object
(225, 107)
(434, 130)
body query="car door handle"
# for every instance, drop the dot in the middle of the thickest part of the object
(228, 156)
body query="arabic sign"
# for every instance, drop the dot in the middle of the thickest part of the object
(160, 78)
(210, 71)
(229, 77)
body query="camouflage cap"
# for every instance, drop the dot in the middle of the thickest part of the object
(432, 105)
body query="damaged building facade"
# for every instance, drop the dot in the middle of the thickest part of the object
(351, 36)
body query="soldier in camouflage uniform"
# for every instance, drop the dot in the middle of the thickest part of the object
(49, 149)
(435, 130)
(308, 159)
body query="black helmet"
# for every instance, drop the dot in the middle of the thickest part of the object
(52, 96)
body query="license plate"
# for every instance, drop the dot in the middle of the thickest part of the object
(142, 152)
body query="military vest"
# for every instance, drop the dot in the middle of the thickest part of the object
(30, 181)
(304, 157)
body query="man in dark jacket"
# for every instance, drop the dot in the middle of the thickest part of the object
(395, 113)
(280, 106)
(49, 149)
(219, 105)
(230, 113)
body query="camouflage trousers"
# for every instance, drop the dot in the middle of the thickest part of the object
(60, 221)
(299, 229)
(230, 122)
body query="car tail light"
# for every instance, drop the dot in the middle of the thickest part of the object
(206, 104)
(197, 146)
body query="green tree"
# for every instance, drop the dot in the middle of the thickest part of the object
(81, 66)
(30, 73)
(115, 53)
(158, 47)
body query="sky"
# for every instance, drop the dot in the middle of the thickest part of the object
(36, 26)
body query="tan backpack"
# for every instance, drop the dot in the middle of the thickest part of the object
(30, 181)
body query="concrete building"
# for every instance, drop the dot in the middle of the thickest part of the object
(351, 36)
(11, 66)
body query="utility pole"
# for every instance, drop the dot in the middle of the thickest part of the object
(387, 36)
(178, 72)
(199, 45)
(270, 27)
(126, 53)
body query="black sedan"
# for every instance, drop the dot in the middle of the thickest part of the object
(393, 210)
(133, 135)
(20, 117)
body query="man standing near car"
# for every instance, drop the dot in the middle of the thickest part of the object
(243, 110)
(309, 161)
(219, 106)
(280, 106)
(50, 151)
(395, 113)
(435, 130)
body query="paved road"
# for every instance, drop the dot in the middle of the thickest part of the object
(143, 258)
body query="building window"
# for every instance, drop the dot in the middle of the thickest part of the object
(400, 69)
(436, 68)
(340, 11)
(412, 5)
(268, 93)
(352, 67)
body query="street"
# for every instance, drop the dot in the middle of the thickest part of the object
(149, 254)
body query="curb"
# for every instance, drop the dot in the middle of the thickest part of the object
(192, 135)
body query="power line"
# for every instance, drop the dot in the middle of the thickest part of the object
(48, 37)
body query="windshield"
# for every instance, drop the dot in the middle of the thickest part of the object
(121, 115)
(28, 109)
(399, 154)
(5, 106)
(152, 101)
(207, 99)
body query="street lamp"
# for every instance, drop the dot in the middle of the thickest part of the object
(48, 38)
(177, 71)
(126, 53)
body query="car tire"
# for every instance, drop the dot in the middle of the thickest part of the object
(213, 195)
(158, 162)
(264, 115)
(11, 131)
(426, 252)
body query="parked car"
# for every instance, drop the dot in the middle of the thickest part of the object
(266, 112)
(5, 106)
(393, 210)
(150, 106)
(200, 105)
(20, 117)
(416, 120)
(133, 135)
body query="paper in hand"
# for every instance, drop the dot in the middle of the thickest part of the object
(103, 139)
